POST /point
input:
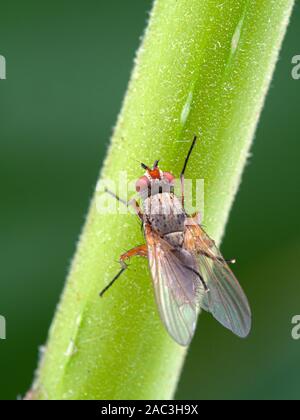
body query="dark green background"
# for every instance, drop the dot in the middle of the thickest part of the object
(68, 63)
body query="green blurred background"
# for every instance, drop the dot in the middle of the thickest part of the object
(68, 64)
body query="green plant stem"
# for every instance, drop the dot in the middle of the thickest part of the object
(204, 68)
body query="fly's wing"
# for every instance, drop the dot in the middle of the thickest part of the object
(176, 287)
(226, 300)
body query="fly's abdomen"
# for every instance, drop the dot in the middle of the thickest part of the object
(165, 213)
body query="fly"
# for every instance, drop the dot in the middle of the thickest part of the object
(188, 271)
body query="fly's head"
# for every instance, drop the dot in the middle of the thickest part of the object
(155, 182)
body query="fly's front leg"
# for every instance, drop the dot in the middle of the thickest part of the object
(132, 203)
(135, 205)
(182, 190)
(184, 169)
(139, 251)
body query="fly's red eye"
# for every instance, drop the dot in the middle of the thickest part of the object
(142, 184)
(169, 177)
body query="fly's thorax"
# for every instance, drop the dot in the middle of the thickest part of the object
(165, 213)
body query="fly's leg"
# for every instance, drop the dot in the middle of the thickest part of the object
(139, 251)
(206, 289)
(194, 222)
(132, 203)
(219, 259)
(184, 169)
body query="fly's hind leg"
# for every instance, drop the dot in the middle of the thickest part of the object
(206, 246)
(139, 251)
(132, 203)
(203, 282)
(219, 259)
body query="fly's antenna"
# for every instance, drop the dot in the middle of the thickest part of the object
(156, 163)
(144, 166)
